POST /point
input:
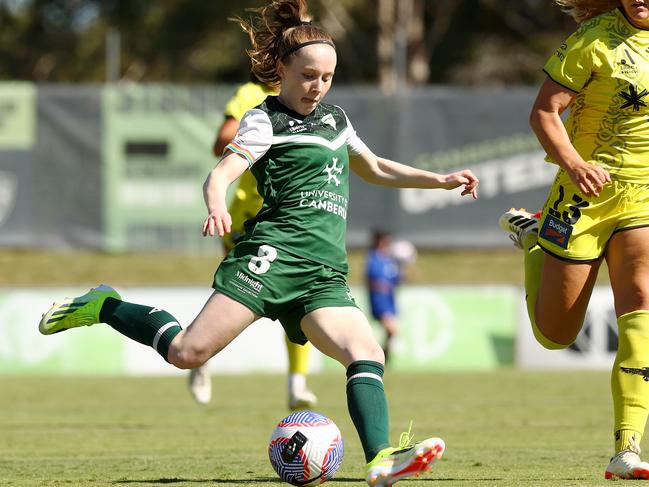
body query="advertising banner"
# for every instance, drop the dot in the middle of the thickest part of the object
(121, 167)
(157, 151)
(449, 328)
(17, 116)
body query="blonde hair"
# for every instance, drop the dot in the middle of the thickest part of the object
(582, 10)
(276, 31)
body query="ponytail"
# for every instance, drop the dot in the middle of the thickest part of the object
(276, 32)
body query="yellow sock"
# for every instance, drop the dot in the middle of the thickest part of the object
(533, 268)
(629, 379)
(298, 357)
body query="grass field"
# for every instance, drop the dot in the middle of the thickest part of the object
(506, 428)
(36, 268)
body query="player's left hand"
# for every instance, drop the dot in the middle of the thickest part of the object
(218, 222)
(462, 178)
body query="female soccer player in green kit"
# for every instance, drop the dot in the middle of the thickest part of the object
(246, 203)
(598, 206)
(291, 265)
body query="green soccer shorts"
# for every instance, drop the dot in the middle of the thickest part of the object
(281, 286)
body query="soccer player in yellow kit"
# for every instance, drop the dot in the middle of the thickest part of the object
(245, 204)
(598, 206)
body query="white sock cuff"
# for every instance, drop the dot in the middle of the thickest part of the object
(160, 332)
(368, 375)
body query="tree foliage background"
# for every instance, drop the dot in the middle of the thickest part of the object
(461, 42)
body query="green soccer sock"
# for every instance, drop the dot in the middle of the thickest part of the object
(149, 326)
(368, 406)
(629, 380)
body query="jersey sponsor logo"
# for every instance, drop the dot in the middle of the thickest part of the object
(296, 126)
(325, 200)
(328, 206)
(555, 231)
(328, 119)
(634, 98)
(333, 172)
(256, 285)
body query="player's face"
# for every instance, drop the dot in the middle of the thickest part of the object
(637, 11)
(306, 77)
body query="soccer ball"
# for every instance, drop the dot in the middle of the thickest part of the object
(306, 448)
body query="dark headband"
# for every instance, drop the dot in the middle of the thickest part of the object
(304, 44)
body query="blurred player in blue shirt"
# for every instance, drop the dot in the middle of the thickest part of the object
(383, 275)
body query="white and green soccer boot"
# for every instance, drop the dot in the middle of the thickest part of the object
(393, 464)
(75, 312)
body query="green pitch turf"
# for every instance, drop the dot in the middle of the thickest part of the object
(505, 428)
(41, 268)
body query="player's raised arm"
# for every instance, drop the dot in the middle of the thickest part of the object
(384, 172)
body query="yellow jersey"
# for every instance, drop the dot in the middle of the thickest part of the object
(246, 201)
(606, 62)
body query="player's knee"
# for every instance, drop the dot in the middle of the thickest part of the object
(548, 340)
(187, 357)
(372, 352)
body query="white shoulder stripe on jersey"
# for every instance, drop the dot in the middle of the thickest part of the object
(337, 143)
(369, 375)
(160, 332)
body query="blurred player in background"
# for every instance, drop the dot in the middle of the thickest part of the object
(245, 204)
(598, 206)
(383, 273)
(291, 264)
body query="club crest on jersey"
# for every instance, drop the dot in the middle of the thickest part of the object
(329, 120)
(626, 63)
(634, 98)
(333, 172)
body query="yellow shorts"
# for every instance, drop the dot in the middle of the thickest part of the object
(577, 228)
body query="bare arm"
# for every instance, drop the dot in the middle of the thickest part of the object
(218, 220)
(545, 120)
(384, 172)
(225, 134)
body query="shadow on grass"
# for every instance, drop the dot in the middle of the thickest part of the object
(275, 480)
(493, 479)
(260, 480)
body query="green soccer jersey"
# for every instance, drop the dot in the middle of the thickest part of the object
(301, 164)
(606, 62)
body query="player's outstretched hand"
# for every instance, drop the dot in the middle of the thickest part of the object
(462, 178)
(218, 222)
